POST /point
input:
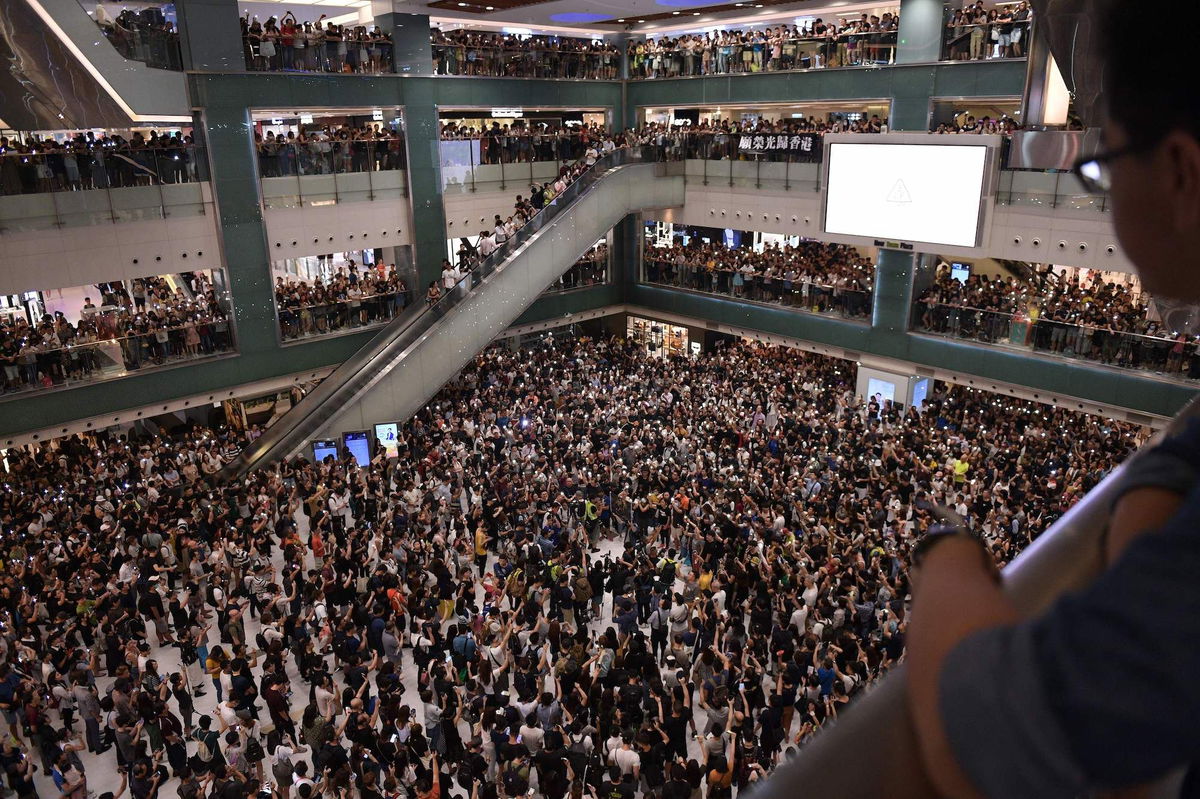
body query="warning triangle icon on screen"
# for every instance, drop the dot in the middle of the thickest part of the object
(899, 192)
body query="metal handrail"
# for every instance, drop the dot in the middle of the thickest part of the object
(364, 366)
(1067, 557)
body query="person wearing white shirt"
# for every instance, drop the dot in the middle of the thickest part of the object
(487, 245)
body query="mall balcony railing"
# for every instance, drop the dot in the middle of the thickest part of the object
(55, 188)
(314, 53)
(303, 322)
(875, 48)
(330, 157)
(490, 163)
(453, 59)
(34, 367)
(986, 41)
(142, 34)
(800, 295)
(297, 174)
(1172, 356)
(584, 274)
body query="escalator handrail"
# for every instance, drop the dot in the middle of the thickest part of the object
(408, 326)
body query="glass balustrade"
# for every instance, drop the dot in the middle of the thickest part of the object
(36, 361)
(800, 294)
(1164, 352)
(298, 320)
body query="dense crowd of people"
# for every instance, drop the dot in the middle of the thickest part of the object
(976, 32)
(870, 39)
(585, 571)
(330, 150)
(86, 161)
(150, 326)
(809, 275)
(1094, 319)
(967, 123)
(507, 55)
(518, 141)
(288, 44)
(349, 299)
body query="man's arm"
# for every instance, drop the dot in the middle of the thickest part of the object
(1097, 692)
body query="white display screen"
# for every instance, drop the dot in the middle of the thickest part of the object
(926, 193)
(358, 446)
(386, 434)
(323, 450)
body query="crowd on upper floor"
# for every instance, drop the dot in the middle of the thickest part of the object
(484, 53)
(142, 34)
(976, 32)
(150, 325)
(329, 150)
(352, 297)
(589, 270)
(30, 165)
(871, 39)
(1093, 318)
(581, 571)
(289, 44)
(967, 123)
(512, 142)
(810, 275)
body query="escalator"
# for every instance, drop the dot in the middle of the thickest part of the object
(396, 372)
(61, 72)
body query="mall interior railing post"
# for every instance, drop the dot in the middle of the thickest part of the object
(1054, 199)
(58, 221)
(371, 145)
(471, 158)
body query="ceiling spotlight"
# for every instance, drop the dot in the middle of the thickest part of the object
(462, 5)
(641, 20)
(675, 13)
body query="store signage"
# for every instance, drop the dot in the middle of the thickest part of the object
(306, 119)
(507, 113)
(377, 115)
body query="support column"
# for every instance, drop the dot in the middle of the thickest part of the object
(230, 141)
(922, 26)
(411, 52)
(210, 36)
(627, 253)
(424, 182)
(892, 300)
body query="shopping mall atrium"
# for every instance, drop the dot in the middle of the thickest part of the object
(634, 399)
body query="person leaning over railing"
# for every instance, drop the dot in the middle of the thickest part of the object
(1099, 692)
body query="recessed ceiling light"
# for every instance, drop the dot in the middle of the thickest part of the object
(695, 13)
(462, 5)
(620, 20)
(641, 20)
(675, 13)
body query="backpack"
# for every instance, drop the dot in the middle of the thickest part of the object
(203, 747)
(583, 589)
